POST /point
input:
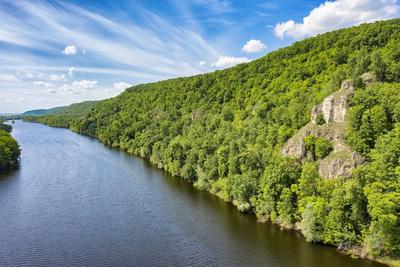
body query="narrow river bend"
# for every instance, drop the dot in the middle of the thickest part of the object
(75, 202)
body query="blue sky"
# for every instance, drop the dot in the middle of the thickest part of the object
(55, 53)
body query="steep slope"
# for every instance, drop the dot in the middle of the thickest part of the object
(224, 131)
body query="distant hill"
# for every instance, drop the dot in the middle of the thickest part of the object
(37, 112)
(73, 109)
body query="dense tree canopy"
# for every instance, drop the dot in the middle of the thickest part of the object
(223, 131)
(9, 148)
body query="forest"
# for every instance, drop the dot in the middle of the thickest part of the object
(223, 131)
(9, 148)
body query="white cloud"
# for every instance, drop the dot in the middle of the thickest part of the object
(202, 63)
(8, 78)
(253, 46)
(70, 50)
(121, 85)
(85, 84)
(57, 78)
(71, 71)
(338, 14)
(67, 88)
(72, 89)
(42, 83)
(229, 61)
(51, 91)
(29, 75)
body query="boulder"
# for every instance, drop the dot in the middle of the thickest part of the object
(368, 78)
(339, 164)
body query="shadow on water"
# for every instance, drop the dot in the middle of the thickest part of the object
(5, 175)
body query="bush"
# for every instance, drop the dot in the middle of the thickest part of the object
(319, 147)
(320, 120)
(322, 147)
(6, 127)
(9, 151)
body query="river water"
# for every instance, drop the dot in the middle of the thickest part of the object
(75, 202)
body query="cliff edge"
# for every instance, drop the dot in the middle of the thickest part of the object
(328, 121)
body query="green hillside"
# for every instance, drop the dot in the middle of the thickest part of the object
(224, 132)
(73, 109)
(60, 116)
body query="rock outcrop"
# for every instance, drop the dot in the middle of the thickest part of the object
(333, 109)
(335, 106)
(368, 78)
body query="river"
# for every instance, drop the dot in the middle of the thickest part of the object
(75, 202)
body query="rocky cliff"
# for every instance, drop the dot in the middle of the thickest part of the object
(328, 122)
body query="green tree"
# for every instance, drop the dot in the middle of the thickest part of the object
(322, 147)
(378, 66)
(286, 207)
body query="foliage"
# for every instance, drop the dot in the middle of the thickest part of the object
(5, 127)
(320, 120)
(9, 151)
(73, 109)
(319, 147)
(223, 131)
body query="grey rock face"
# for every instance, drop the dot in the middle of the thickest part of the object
(335, 106)
(368, 78)
(342, 160)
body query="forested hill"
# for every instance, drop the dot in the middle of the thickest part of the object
(60, 116)
(73, 109)
(224, 132)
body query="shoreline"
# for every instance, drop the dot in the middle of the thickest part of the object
(354, 251)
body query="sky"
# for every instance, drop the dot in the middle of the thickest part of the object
(54, 53)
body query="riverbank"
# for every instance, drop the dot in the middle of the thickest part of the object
(83, 204)
(350, 251)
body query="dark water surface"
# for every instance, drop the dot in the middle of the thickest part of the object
(74, 202)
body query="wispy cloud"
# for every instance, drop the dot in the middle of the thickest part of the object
(85, 84)
(216, 6)
(8, 77)
(47, 39)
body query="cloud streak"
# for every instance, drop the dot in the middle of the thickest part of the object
(51, 37)
(147, 49)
